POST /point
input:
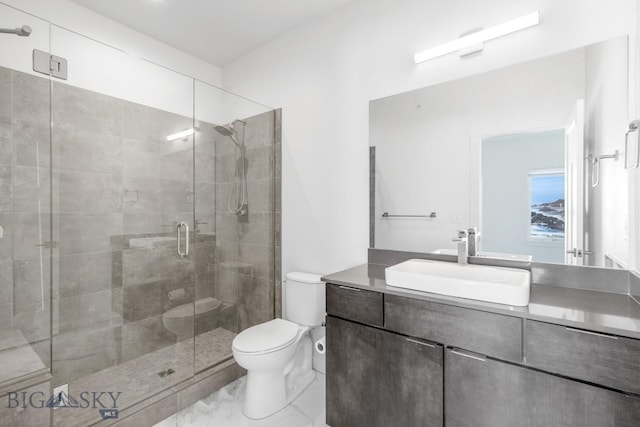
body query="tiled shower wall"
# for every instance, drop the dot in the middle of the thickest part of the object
(247, 248)
(115, 177)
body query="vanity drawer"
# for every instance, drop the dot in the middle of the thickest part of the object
(355, 304)
(490, 334)
(599, 358)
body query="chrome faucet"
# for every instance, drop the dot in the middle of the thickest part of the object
(473, 241)
(463, 248)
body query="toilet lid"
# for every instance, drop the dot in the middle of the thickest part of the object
(267, 336)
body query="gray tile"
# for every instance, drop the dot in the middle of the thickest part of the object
(32, 189)
(31, 95)
(29, 415)
(177, 196)
(222, 196)
(141, 158)
(260, 257)
(205, 167)
(74, 108)
(205, 197)
(260, 163)
(87, 311)
(6, 184)
(76, 191)
(79, 150)
(35, 325)
(77, 354)
(152, 299)
(634, 285)
(256, 300)
(144, 336)
(225, 168)
(6, 315)
(147, 223)
(6, 97)
(260, 130)
(28, 228)
(32, 280)
(31, 144)
(6, 145)
(141, 266)
(149, 124)
(6, 279)
(278, 197)
(226, 285)
(86, 273)
(226, 227)
(6, 243)
(87, 232)
(258, 230)
(261, 196)
(178, 165)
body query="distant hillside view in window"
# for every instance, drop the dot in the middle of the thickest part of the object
(547, 205)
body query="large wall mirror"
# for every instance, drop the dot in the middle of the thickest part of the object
(532, 154)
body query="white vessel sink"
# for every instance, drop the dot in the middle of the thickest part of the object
(485, 283)
(494, 255)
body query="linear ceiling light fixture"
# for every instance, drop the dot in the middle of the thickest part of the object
(479, 37)
(182, 134)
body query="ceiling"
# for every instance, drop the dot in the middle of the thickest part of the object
(217, 31)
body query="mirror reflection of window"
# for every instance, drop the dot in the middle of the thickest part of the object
(547, 200)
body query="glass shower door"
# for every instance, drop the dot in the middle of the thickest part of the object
(25, 229)
(123, 215)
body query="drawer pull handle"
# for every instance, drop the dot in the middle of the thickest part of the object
(349, 289)
(591, 333)
(470, 356)
(426, 344)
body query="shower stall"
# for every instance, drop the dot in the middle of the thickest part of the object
(139, 215)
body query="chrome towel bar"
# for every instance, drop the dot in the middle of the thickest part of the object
(388, 215)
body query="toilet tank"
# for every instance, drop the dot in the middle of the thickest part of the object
(304, 299)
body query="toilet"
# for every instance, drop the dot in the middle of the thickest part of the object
(278, 354)
(180, 319)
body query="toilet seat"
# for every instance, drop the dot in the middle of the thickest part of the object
(266, 337)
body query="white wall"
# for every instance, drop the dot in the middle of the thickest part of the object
(428, 158)
(105, 57)
(606, 119)
(324, 74)
(83, 21)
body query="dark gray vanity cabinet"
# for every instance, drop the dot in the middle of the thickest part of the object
(484, 392)
(379, 378)
(401, 361)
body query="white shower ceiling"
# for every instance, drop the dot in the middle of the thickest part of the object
(217, 31)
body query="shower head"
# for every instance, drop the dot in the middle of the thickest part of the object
(228, 131)
(224, 130)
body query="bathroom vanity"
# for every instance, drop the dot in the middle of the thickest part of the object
(397, 357)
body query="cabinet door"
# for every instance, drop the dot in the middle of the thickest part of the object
(378, 378)
(484, 392)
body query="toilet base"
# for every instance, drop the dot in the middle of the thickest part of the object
(265, 394)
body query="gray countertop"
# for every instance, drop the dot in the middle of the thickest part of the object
(611, 313)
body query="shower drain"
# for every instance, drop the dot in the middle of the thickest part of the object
(166, 372)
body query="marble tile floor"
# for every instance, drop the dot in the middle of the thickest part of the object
(138, 379)
(224, 409)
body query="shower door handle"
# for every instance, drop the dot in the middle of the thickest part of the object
(179, 228)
